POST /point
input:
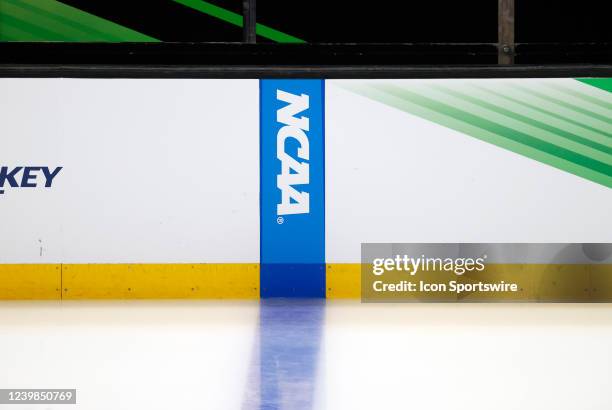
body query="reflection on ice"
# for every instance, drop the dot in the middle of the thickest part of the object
(285, 359)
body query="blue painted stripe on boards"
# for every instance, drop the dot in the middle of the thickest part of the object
(292, 188)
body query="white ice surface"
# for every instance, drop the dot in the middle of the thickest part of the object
(207, 355)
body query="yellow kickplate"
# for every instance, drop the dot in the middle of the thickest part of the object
(343, 281)
(161, 281)
(30, 281)
(241, 281)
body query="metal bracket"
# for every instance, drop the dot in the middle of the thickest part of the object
(505, 32)
(249, 18)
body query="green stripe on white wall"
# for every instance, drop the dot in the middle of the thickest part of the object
(602, 83)
(544, 120)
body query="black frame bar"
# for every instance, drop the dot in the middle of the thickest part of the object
(261, 54)
(331, 72)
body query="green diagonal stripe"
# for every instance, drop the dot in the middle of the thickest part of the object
(214, 11)
(582, 96)
(567, 105)
(275, 35)
(607, 149)
(545, 112)
(489, 131)
(32, 28)
(237, 20)
(503, 131)
(46, 12)
(10, 32)
(601, 83)
(41, 18)
(528, 95)
(50, 20)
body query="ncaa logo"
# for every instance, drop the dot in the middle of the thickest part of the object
(294, 171)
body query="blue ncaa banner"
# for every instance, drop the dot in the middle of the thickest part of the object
(292, 188)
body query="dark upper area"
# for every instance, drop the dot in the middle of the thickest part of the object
(316, 32)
